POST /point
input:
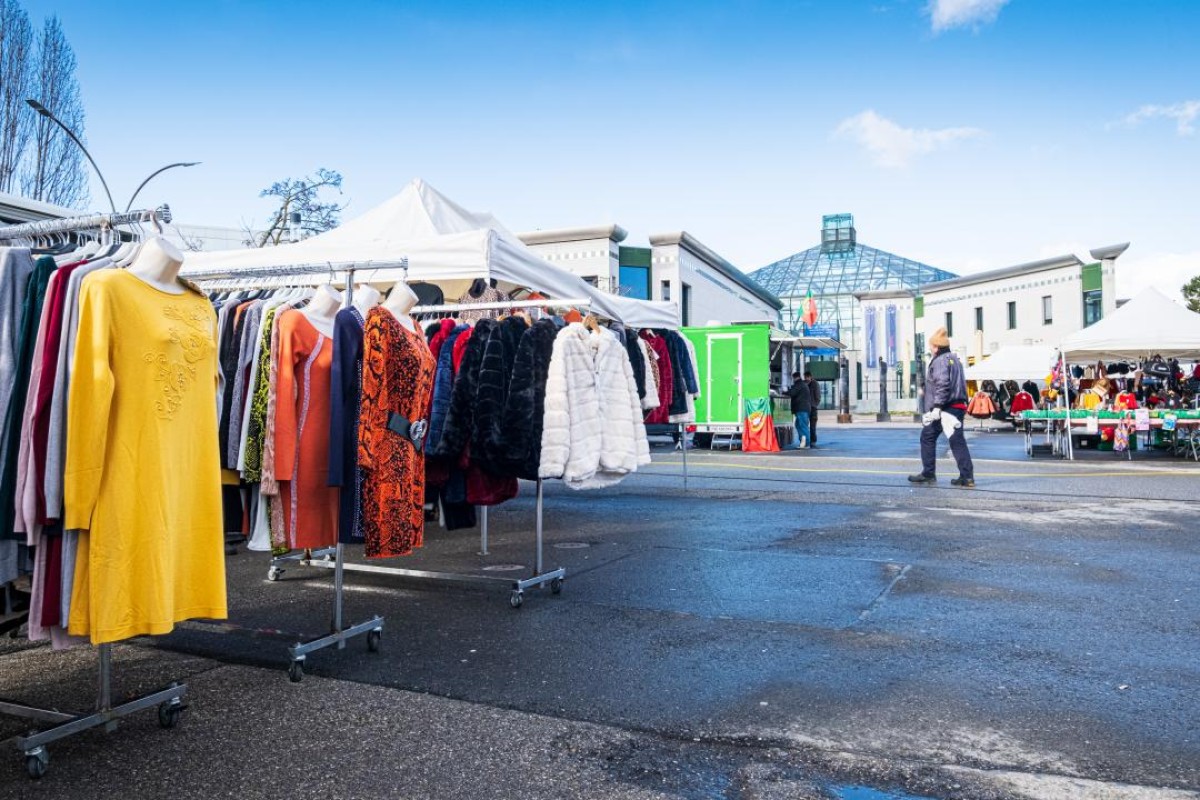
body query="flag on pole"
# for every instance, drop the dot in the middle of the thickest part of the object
(808, 310)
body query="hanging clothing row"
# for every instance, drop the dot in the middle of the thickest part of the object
(109, 485)
(106, 416)
(353, 423)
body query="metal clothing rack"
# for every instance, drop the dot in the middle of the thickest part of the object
(29, 230)
(328, 558)
(33, 746)
(169, 700)
(339, 633)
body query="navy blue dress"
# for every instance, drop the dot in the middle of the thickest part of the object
(345, 389)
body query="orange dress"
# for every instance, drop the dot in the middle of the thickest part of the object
(397, 377)
(309, 504)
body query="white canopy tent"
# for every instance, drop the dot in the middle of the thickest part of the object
(1149, 324)
(1014, 362)
(443, 244)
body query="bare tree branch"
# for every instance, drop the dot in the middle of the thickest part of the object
(302, 195)
(55, 172)
(16, 71)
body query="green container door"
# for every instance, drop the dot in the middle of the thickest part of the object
(722, 392)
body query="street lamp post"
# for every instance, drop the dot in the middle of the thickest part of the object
(45, 112)
(153, 174)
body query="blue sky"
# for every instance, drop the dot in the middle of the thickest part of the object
(964, 133)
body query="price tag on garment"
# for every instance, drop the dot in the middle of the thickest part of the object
(1092, 425)
(1141, 419)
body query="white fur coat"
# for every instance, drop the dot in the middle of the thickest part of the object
(592, 434)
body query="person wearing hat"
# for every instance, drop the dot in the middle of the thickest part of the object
(945, 407)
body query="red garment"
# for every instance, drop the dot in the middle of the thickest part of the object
(1022, 401)
(460, 347)
(485, 489)
(1126, 401)
(666, 379)
(45, 392)
(52, 581)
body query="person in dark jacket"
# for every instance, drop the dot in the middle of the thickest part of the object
(801, 397)
(945, 407)
(814, 390)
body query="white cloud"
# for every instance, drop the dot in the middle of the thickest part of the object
(1184, 114)
(1167, 272)
(948, 14)
(891, 145)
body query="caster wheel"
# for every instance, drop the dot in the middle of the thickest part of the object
(169, 713)
(374, 639)
(556, 586)
(296, 671)
(37, 762)
(516, 599)
(274, 574)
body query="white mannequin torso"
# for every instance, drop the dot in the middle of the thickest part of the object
(366, 297)
(399, 302)
(322, 308)
(158, 263)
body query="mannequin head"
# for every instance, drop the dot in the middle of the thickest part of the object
(158, 263)
(366, 297)
(401, 299)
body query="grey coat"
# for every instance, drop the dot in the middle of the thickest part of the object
(946, 384)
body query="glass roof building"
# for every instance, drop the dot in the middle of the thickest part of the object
(834, 271)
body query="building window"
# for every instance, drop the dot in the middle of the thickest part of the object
(1093, 309)
(1047, 310)
(594, 280)
(686, 310)
(949, 323)
(666, 291)
(1012, 315)
(978, 318)
(635, 282)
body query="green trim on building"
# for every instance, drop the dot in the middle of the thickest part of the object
(918, 307)
(1093, 278)
(634, 256)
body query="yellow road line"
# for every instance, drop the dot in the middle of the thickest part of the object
(763, 468)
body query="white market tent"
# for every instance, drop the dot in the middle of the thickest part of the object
(1014, 362)
(1149, 324)
(444, 244)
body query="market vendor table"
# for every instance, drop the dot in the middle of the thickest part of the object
(1187, 422)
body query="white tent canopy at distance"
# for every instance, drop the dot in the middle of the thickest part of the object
(1149, 324)
(444, 244)
(1016, 363)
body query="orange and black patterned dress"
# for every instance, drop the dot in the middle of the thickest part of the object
(397, 377)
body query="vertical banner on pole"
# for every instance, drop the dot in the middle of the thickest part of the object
(890, 334)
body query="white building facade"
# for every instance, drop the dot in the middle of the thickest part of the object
(676, 268)
(1039, 303)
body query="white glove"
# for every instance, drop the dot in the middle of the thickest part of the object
(950, 423)
(931, 416)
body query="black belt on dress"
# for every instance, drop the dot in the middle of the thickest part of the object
(413, 430)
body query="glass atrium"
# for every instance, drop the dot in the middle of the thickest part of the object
(834, 272)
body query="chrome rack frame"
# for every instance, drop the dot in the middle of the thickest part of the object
(327, 558)
(33, 746)
(339, 633)
(169, 700)
(28, 230)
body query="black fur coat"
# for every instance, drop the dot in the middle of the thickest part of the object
(517, 446)
(499, 354)
(460, 419)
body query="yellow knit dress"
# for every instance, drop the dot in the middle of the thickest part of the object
(143, 475)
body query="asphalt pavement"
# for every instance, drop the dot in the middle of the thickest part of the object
(784, 626)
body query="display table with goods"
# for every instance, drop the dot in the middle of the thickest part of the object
(1177, 430)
